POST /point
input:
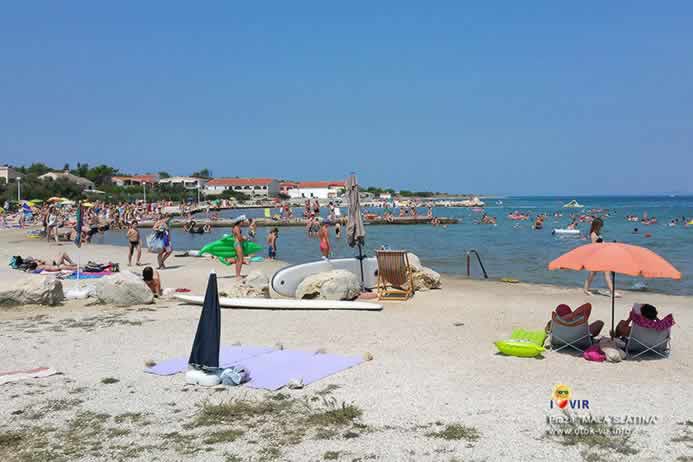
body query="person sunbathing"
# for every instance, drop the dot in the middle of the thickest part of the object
(567, 315)
(644, 315)
(62, 263)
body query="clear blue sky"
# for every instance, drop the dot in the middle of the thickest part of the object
(511, 97)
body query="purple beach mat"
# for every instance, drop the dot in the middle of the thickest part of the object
(228, 356)
(274, 370)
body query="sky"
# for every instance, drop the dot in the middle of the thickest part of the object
(510, 98)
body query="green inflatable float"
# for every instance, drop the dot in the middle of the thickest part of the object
(523, 343)
(225, 248)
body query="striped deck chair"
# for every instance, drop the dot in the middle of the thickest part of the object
(395, 281)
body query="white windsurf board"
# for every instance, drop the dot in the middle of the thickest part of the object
(283, 304)
(286, 280)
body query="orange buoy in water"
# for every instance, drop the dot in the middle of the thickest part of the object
(648, 235)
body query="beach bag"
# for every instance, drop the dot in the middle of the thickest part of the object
(594, 353)
(15, 262)
(234, 375)
(155, 242)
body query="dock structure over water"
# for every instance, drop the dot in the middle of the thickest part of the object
(227, 223)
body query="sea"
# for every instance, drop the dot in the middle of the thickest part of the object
(509, 249)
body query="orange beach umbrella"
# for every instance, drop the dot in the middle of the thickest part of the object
(616, 257)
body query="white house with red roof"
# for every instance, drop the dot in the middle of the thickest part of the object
(265, 187)
(317, 190)
(135, 180)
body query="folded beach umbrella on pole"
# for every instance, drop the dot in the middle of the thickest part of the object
(615, 257)
(356, 232)
(205, 349)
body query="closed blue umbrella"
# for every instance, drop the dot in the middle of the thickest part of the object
(205, 349)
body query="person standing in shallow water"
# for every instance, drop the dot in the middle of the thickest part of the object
(596, 237)
(324, 236)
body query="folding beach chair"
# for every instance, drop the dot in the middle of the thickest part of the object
(395, 280)
(646, 340)
(573, 334)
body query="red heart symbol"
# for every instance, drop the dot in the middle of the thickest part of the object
(563, 403)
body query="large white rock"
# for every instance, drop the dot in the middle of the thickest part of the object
(255, 285)
(122, 289)
(36, 290)
(426, 279)
(258, 280)
(331, 285)
(414, 262)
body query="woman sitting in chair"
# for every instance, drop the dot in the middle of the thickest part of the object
(644, 316)
(566, 314)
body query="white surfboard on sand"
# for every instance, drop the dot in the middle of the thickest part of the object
(282, 304)
(286, 280)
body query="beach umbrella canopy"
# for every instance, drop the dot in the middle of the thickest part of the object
(205, 349)
(54, 199)
(356, 232)
(616, 257)
(87, 204)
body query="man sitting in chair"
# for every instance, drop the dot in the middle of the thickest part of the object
(644, 316)
(567, 315)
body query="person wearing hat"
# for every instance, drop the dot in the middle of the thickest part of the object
(238, 237)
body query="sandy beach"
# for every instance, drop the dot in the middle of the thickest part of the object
(436, 389)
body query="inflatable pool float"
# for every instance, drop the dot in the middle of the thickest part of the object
(523, 343)
(570, 232)
(510, 280)
(519, 348)
(225, 248)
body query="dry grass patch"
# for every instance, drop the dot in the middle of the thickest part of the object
(456, 431)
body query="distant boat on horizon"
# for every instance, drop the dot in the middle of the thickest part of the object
(574, 205)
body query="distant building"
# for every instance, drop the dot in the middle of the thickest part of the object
(266, 187)
(135, 180)
(66, 175)
(286, 186)
(317, 190)
(7, 173)
(187, 182)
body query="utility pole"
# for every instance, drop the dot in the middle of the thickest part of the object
(19, 188)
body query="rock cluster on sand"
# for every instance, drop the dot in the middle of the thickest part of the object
(331, 285)
(34, 291)
(122, 289)
(424, 278)
(256, 285)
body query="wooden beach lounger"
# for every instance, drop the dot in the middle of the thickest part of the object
(395, 280)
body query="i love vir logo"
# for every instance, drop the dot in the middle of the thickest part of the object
(561, 396)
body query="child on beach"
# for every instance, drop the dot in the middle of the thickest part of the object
(252, 229)
(151, 278)
(324, 236)
(134, 243)
(272, 243)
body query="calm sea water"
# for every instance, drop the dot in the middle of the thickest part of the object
(509, 249)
